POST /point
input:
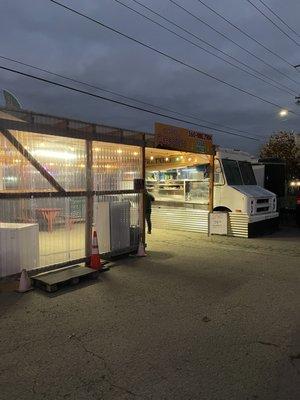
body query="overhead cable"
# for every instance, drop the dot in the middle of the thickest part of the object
(277, 85)
(121, 103)
(166, 55)
(92, 86)
(234, 42)
(246, 34)
(279, 18)
(273, 23)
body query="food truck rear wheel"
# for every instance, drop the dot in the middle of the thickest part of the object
(222, 209)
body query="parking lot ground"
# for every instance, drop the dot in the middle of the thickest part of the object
(198, 318)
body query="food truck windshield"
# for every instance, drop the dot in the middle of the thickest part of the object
(238, 172)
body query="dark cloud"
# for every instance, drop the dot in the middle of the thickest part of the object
(43, 34)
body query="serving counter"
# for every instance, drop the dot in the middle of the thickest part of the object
(180, 193)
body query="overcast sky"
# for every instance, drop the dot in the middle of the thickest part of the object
(45, 35)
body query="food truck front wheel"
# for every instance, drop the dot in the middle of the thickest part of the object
(262, 227)
(222, 209)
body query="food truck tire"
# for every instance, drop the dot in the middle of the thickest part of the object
(222, 209)
(263, 227)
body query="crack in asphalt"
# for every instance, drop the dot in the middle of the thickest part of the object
(236, 246)
(106, 368)
(35, 379)
(17, 347)
(268, 343)
(292, 358)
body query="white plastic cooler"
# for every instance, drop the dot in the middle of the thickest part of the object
(19, 247)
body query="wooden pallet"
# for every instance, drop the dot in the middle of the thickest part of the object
(53, 280)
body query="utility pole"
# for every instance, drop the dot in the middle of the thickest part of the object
(297, 98)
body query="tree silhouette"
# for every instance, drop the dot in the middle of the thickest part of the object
(282, 145)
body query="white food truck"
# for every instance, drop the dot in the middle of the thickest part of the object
(236, 190)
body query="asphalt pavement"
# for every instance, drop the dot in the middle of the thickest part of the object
(198, 318)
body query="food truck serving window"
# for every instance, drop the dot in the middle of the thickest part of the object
(232, 172)
(247, 173)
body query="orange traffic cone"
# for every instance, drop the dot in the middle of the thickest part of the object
(25, 283)
(95, 257)
(141, 250)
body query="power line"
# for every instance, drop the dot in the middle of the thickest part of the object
(120, 95)
(249, 37)
(169, 56)
(121, 103)
(280, 86)
(279, 18)
(272, 22)
(237, 44)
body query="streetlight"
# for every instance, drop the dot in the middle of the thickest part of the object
(283, 113)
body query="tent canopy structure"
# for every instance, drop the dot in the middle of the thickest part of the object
(166, 159)
(54, 174)
(57, 173)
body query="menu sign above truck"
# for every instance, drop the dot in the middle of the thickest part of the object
(176, 138)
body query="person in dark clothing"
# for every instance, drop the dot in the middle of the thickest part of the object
(149, 198)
